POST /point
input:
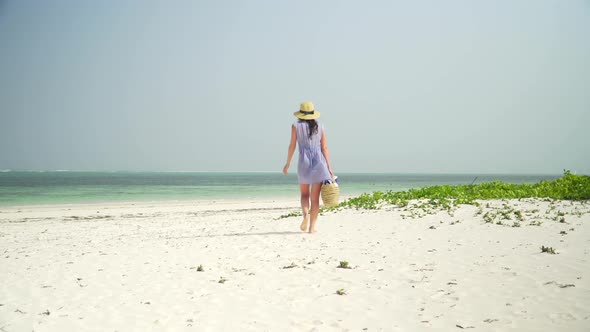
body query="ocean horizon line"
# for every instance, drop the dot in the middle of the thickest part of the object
(271, 172)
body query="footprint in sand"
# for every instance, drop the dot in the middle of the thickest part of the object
(561, 316)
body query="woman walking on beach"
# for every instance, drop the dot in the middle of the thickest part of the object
(313, 167)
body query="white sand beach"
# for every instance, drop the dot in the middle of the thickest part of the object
(134, 267)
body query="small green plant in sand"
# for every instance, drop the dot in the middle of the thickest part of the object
(489, 217)
(516, 224)
(290, 266)
(222, 280)
(200, 268)
(479, 211)
(289, 215)
(341, 291)
(548, 250)
(505, 214)
(343, 265)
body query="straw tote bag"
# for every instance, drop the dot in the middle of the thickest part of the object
(330, 193)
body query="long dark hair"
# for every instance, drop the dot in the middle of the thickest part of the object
(312, 126)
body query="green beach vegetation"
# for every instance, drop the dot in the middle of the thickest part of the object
(344, 265)
(568, 187)
(428, 200)
(548, 250)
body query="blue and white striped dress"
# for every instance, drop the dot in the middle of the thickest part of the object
(312, 166)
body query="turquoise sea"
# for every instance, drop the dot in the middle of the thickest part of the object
(50, 187)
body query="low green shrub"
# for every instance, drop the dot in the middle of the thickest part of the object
(568, 187)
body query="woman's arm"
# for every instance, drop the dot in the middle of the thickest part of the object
(326, 154)
(292, 145)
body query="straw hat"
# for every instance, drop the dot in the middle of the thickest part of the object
(307, 111)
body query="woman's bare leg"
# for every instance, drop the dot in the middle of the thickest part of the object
(304, 188)
(315, 205)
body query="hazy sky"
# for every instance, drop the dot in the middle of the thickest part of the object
(403, 86)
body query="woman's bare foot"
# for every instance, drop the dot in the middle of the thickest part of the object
(311, 231)
(303, 225)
